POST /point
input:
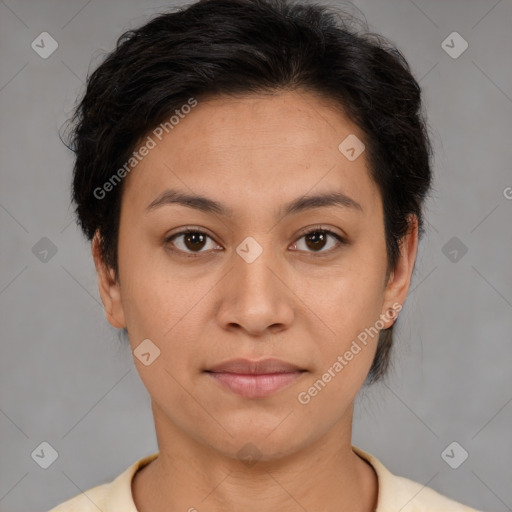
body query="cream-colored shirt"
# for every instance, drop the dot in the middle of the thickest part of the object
(395, 493)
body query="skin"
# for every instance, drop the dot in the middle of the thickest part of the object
(253, 153)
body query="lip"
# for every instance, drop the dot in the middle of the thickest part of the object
(255, 379)
(255, 367)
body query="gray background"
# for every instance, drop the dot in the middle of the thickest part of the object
(67, 379)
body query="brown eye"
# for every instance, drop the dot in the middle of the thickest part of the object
(194, 241)
(189, 241)
(318, 239)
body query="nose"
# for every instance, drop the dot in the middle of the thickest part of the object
(256, 296)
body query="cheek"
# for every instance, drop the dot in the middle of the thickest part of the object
(353, 298)
(151, 297)
(160, 322)
(169, 312)
(347, 353)
(351, 309)
(156, 310)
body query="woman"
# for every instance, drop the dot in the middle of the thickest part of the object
(251, 175)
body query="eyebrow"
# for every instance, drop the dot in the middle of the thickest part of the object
(204, 204)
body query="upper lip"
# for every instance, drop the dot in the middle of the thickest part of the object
(255, 367)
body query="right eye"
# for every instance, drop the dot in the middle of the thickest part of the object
(191, 242)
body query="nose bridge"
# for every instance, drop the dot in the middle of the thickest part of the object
(253, 261)
(256, 299)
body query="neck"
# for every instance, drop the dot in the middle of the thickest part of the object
(324, 475)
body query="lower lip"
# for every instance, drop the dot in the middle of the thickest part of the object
(255, 386)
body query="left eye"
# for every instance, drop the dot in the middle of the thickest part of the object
(316, 240)
(194, 241)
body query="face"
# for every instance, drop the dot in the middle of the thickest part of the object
(256, 278)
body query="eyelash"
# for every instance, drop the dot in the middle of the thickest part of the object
(317, 229)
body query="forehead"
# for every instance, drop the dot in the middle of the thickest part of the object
(253, 148)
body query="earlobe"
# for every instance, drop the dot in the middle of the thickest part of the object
(108, 287)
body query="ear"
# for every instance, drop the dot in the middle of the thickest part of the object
(400, 278)
(108, 287)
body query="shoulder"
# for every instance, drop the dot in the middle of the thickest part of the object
(108, 497)
(424, 499)
(399, 493)
(92, 499)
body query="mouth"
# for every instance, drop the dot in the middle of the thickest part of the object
(255, 379)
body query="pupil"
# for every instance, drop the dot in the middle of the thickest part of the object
(318, 239)
(194, 239)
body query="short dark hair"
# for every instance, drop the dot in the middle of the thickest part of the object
(239, 47)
